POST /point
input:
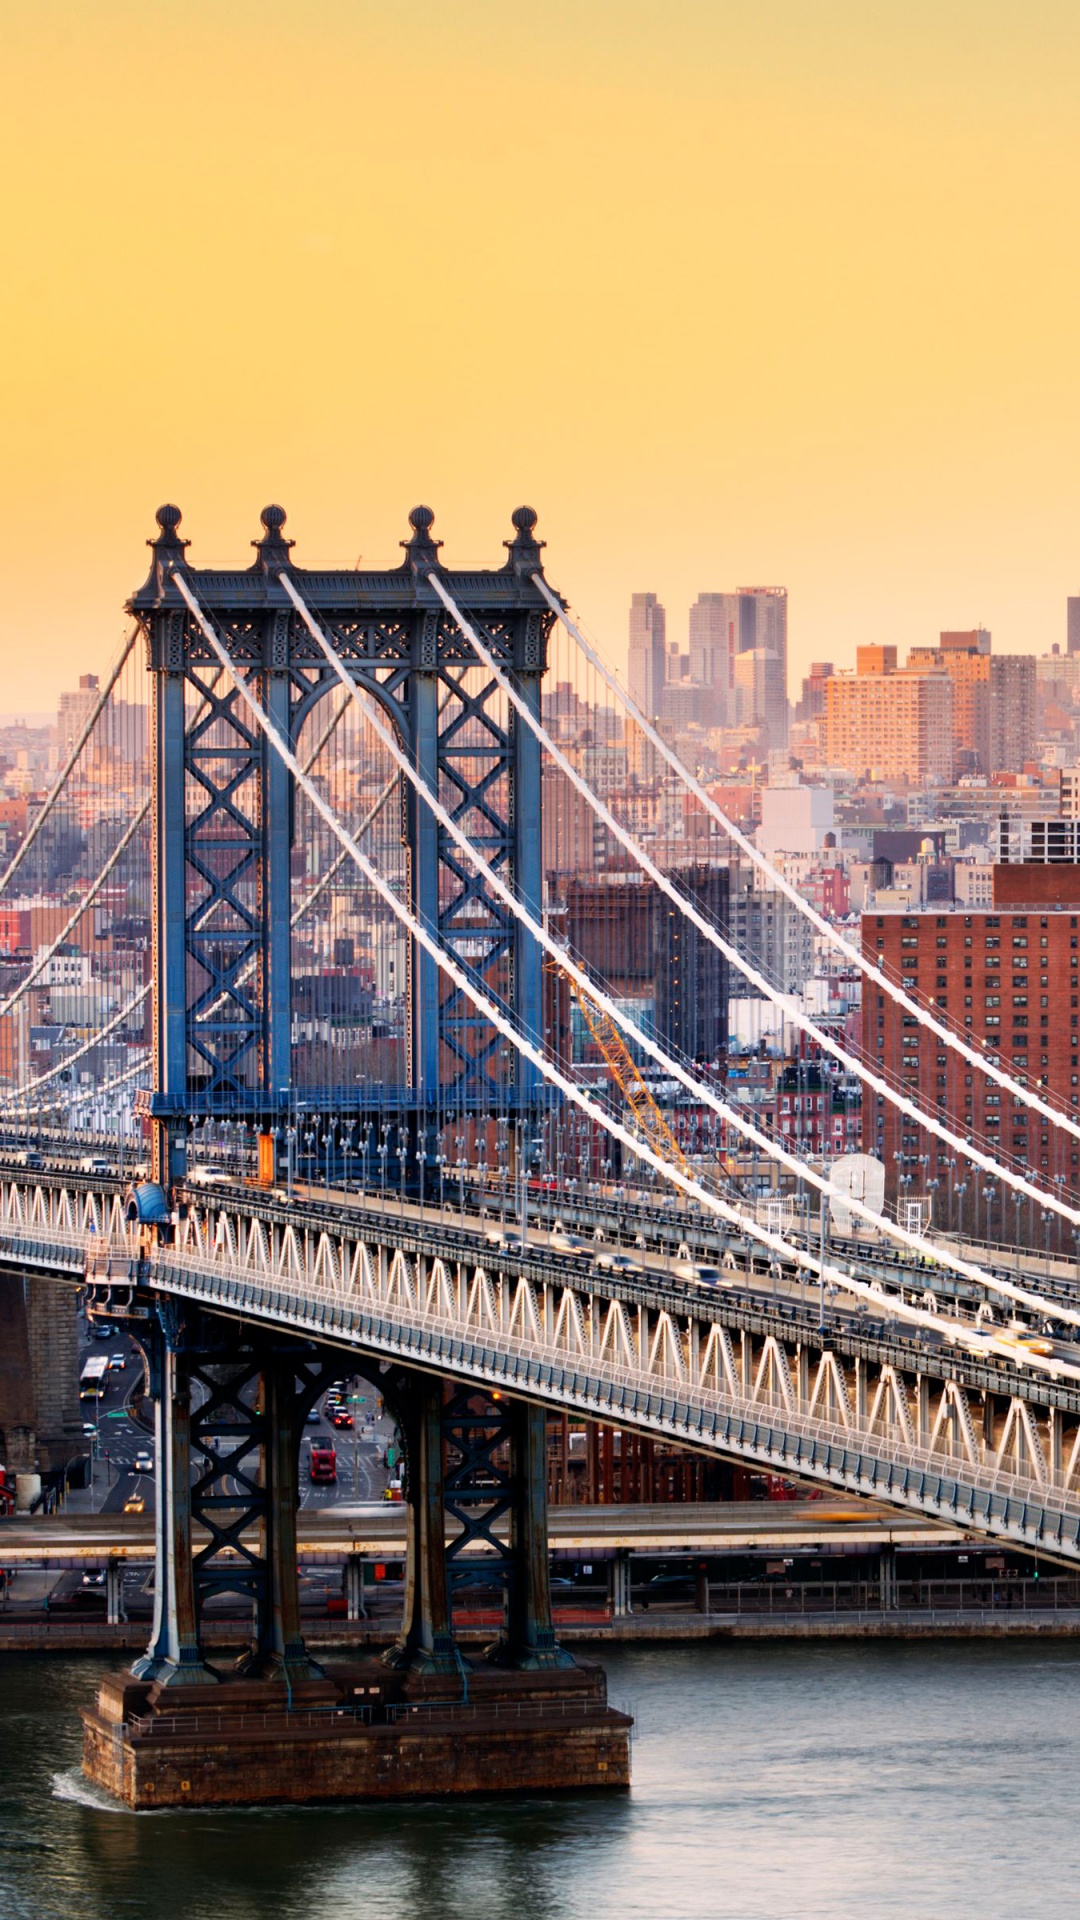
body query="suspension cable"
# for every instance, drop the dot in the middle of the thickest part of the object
(62, 778)
(1042, 1196)
(87, 901)
(115, 1020)
(466, 985)
(699, 1089)
(857, 958)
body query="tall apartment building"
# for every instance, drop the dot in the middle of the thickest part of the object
(1010, 980)
(714, 642)
(890, 725)
(1013, 710)
(769, 931)
(643, 949)
(120, 733)
(570, 831)
(763, 629)
(1072, 623)
(812, 703)
(760, 695)
(648, 652)
(74, 711)
(968, 667)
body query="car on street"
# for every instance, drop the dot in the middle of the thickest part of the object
(117, 1362)
(134, 1503)
(89, 1426)
(341, 1417)
(94, 1577)
(312, 1416)
(144, 1461)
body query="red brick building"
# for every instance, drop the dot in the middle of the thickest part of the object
(1010, 981)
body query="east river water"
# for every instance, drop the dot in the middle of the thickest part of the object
(771, 1782)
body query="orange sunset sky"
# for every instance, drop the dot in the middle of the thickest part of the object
(775, 292)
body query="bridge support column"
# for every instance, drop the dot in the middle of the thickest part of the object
(174, 1656)
(114, 1591)
(887, 1585)
(280, 1643)
(355, 1606)
(619, 1589)
(427, 1642)
(530, 1642)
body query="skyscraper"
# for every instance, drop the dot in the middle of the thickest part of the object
(714, 627)
(763, 628)
(648, 651)
(1073, 623)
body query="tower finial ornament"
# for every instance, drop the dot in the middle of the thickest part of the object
(273, 548)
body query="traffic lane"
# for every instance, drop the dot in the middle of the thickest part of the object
(361, 1472)
(114, 1437)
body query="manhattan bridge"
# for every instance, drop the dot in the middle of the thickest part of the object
(356, 1082)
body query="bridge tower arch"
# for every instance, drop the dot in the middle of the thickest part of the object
(225, 821)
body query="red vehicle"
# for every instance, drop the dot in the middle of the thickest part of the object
(323, 1462)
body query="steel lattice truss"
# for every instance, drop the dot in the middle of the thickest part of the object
(222, 880)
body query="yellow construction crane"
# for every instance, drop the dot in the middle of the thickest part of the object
(627, 1076)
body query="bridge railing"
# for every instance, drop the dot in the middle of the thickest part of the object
(763, 1425)
(607, 1390)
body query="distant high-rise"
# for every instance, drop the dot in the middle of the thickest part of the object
(648, 652)
(714, 629)
(812, 704)
(890, 725)
(1073, 623)
(74, 711)
(994, 700)
(763, 628)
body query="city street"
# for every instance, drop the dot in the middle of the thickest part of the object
(121, 1443)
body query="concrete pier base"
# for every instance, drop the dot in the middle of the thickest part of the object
(362, 1733)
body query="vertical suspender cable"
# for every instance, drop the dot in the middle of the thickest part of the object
(699, 1089)
(825, 1040)
(800, 1256)
(854, 955)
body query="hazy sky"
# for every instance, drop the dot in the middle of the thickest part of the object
(783, 291)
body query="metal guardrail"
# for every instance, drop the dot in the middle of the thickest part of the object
(988, 1496)
(984, 1495)
(226, 1722)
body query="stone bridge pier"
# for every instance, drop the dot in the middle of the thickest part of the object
(185, 1727)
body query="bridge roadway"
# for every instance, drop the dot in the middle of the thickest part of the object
(910, 1415)
(630, 1219)
(379, 1528)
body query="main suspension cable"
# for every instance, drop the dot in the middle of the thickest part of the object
(798, 1256)
(1043, 1197)
(699, 1089)
(948, 1035)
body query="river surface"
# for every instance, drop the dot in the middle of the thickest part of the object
(832, 1782)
